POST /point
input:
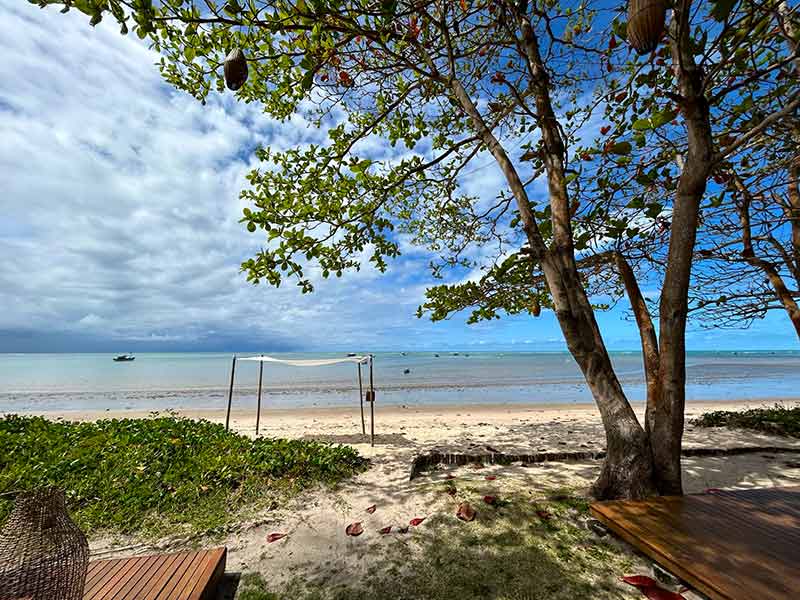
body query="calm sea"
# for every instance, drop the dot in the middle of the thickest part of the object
(39, 382)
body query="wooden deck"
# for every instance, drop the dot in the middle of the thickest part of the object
(729, 545)
(180, 576)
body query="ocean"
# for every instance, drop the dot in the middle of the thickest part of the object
(161, 381)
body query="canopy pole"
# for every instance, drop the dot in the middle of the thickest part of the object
(258, 409)
(371, 406)
(361, 401)
(230, 395)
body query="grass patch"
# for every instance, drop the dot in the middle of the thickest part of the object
(525, 549)
(127, 475)
(779, 420)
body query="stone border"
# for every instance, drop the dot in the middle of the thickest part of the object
(423, 462)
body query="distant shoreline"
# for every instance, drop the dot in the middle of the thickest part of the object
(391, 411)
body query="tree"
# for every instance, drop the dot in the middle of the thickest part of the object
(752, 246)
(414, 95)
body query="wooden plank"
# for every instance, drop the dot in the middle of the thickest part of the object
(728, 545)
(188, 579)
(177, 576)
(215, 569)
(160, 582)
(106, 585)
(98, 570)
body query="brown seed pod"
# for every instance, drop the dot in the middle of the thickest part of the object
(235, 69)
(646, 19)
(535, 307)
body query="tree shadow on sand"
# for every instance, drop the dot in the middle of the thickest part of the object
(517, 549)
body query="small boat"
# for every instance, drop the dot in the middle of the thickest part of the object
(124, 358)
(351, 354)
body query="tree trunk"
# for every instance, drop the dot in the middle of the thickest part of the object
(666, 433)
(766, 267)
(647, 335)
(627, 471)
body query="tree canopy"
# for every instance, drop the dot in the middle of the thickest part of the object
(602, 158)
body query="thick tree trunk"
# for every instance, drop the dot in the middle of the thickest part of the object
(666, 432)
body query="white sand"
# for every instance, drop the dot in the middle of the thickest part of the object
(316, 521)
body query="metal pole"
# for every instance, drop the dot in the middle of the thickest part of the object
(361, 400)
(260, 377)
(371, 406)
(230, 394)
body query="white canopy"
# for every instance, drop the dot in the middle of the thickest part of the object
(305, 362)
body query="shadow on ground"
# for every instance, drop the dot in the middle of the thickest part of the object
(519, 548)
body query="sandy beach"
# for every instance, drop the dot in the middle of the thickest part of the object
(317, 545)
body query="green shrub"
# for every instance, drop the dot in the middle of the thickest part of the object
(780, 420)
(142, 474)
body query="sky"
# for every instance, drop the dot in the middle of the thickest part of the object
(119, 223)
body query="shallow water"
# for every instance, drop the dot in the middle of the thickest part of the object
(39, 382)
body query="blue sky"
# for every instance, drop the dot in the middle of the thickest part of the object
(120, 231)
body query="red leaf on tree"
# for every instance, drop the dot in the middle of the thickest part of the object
(371, 509)
(354, 529)
(274, 537)
(491, 477)
(465, 512)
(491, 500)
(621, 96)
(416, 521)
(385, 530)
(605, 130)
(612, 43)
(639, 581)
(464, 5)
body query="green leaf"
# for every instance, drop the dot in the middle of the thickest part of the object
(641, 125)
(622, 148)
(722, 9)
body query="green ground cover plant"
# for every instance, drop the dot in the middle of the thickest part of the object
(141, 475)
(779, 419)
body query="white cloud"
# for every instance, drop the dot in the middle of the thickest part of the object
(120, 202)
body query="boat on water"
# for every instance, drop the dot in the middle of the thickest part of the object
(124, 358)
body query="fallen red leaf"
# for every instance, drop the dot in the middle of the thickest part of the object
(544, 516)
(385, 530)
(639, 581)
(416, 521)
(274, 537)
(466, 512)
(452, 491)
(371, 509)
(354, 529)
(491, 477)
(490, 499)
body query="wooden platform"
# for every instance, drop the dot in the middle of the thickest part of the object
(729, 545)
(180, 576)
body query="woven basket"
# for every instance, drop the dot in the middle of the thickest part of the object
(43, 554)
(646, 19)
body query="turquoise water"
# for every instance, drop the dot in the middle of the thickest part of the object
(38, 382)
